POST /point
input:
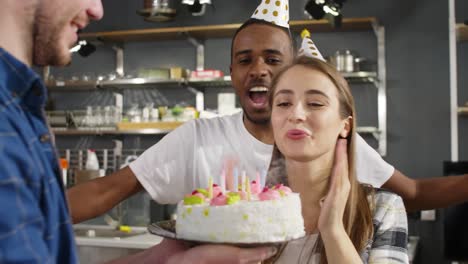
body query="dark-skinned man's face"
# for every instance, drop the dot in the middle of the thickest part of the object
(259, 52)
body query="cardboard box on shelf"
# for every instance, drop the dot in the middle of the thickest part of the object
(207, 74)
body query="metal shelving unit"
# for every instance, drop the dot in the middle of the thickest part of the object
(153, 131)
(191, 82)
(195, 35)
(457, 33)
(117, 83)
(108, 131)
(70, 85)
(462, 36)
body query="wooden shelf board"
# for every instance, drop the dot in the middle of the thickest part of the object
(220, 31)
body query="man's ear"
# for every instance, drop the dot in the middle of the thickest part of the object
(344, 133)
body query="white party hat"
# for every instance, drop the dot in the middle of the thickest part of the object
(273, 11)
(308, 48)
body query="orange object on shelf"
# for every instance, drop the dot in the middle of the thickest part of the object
(64, 163)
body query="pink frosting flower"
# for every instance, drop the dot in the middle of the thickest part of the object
(219, 200)
(216, 190)
(255, 187)
(284, 189)
(243, 195)
(269, 194)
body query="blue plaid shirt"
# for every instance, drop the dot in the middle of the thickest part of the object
(35, 226)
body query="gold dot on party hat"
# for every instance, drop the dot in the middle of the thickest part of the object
(312, 48)
(310, 42)
(275, 13)
(265, 11)
(278, 3)
(315, 53)
(267, 1)
(286, 7)
(256, 11)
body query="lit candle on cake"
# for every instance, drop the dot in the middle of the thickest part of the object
(223, 182)
(228, 169)
(236, 180)
(247, 188)
(263, 178)
(256, 187)
(210, 188)
(243, 177)
(257, 179)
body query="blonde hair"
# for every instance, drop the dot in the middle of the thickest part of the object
(357, 218)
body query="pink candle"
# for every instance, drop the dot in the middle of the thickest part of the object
(247, 187)
(223, 181)
(243, 177)
(258, 178)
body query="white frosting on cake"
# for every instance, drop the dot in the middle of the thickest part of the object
(243, 222)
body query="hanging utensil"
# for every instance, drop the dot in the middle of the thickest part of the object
(157, 11)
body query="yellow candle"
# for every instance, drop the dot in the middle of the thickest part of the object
(210, 188)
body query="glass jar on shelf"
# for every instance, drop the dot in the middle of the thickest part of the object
(146, 112)
(98, 116)
(134, 114)
(88, 120)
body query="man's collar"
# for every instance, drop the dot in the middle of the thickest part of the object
(18, 77)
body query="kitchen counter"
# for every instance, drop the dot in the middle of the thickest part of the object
(96, 249)
(136, 237)
(142, 241)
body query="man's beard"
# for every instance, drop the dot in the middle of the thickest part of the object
(47, 45)
(258, 120)
(50, 53)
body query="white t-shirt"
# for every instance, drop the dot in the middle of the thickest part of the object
(188, 156)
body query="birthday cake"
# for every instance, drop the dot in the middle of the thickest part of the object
(250, 215)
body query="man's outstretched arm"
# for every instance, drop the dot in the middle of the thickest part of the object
(429, 193)
(96, 197)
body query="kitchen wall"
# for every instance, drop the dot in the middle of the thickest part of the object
(417, 77)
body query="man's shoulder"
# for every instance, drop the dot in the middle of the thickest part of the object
(215, 123)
